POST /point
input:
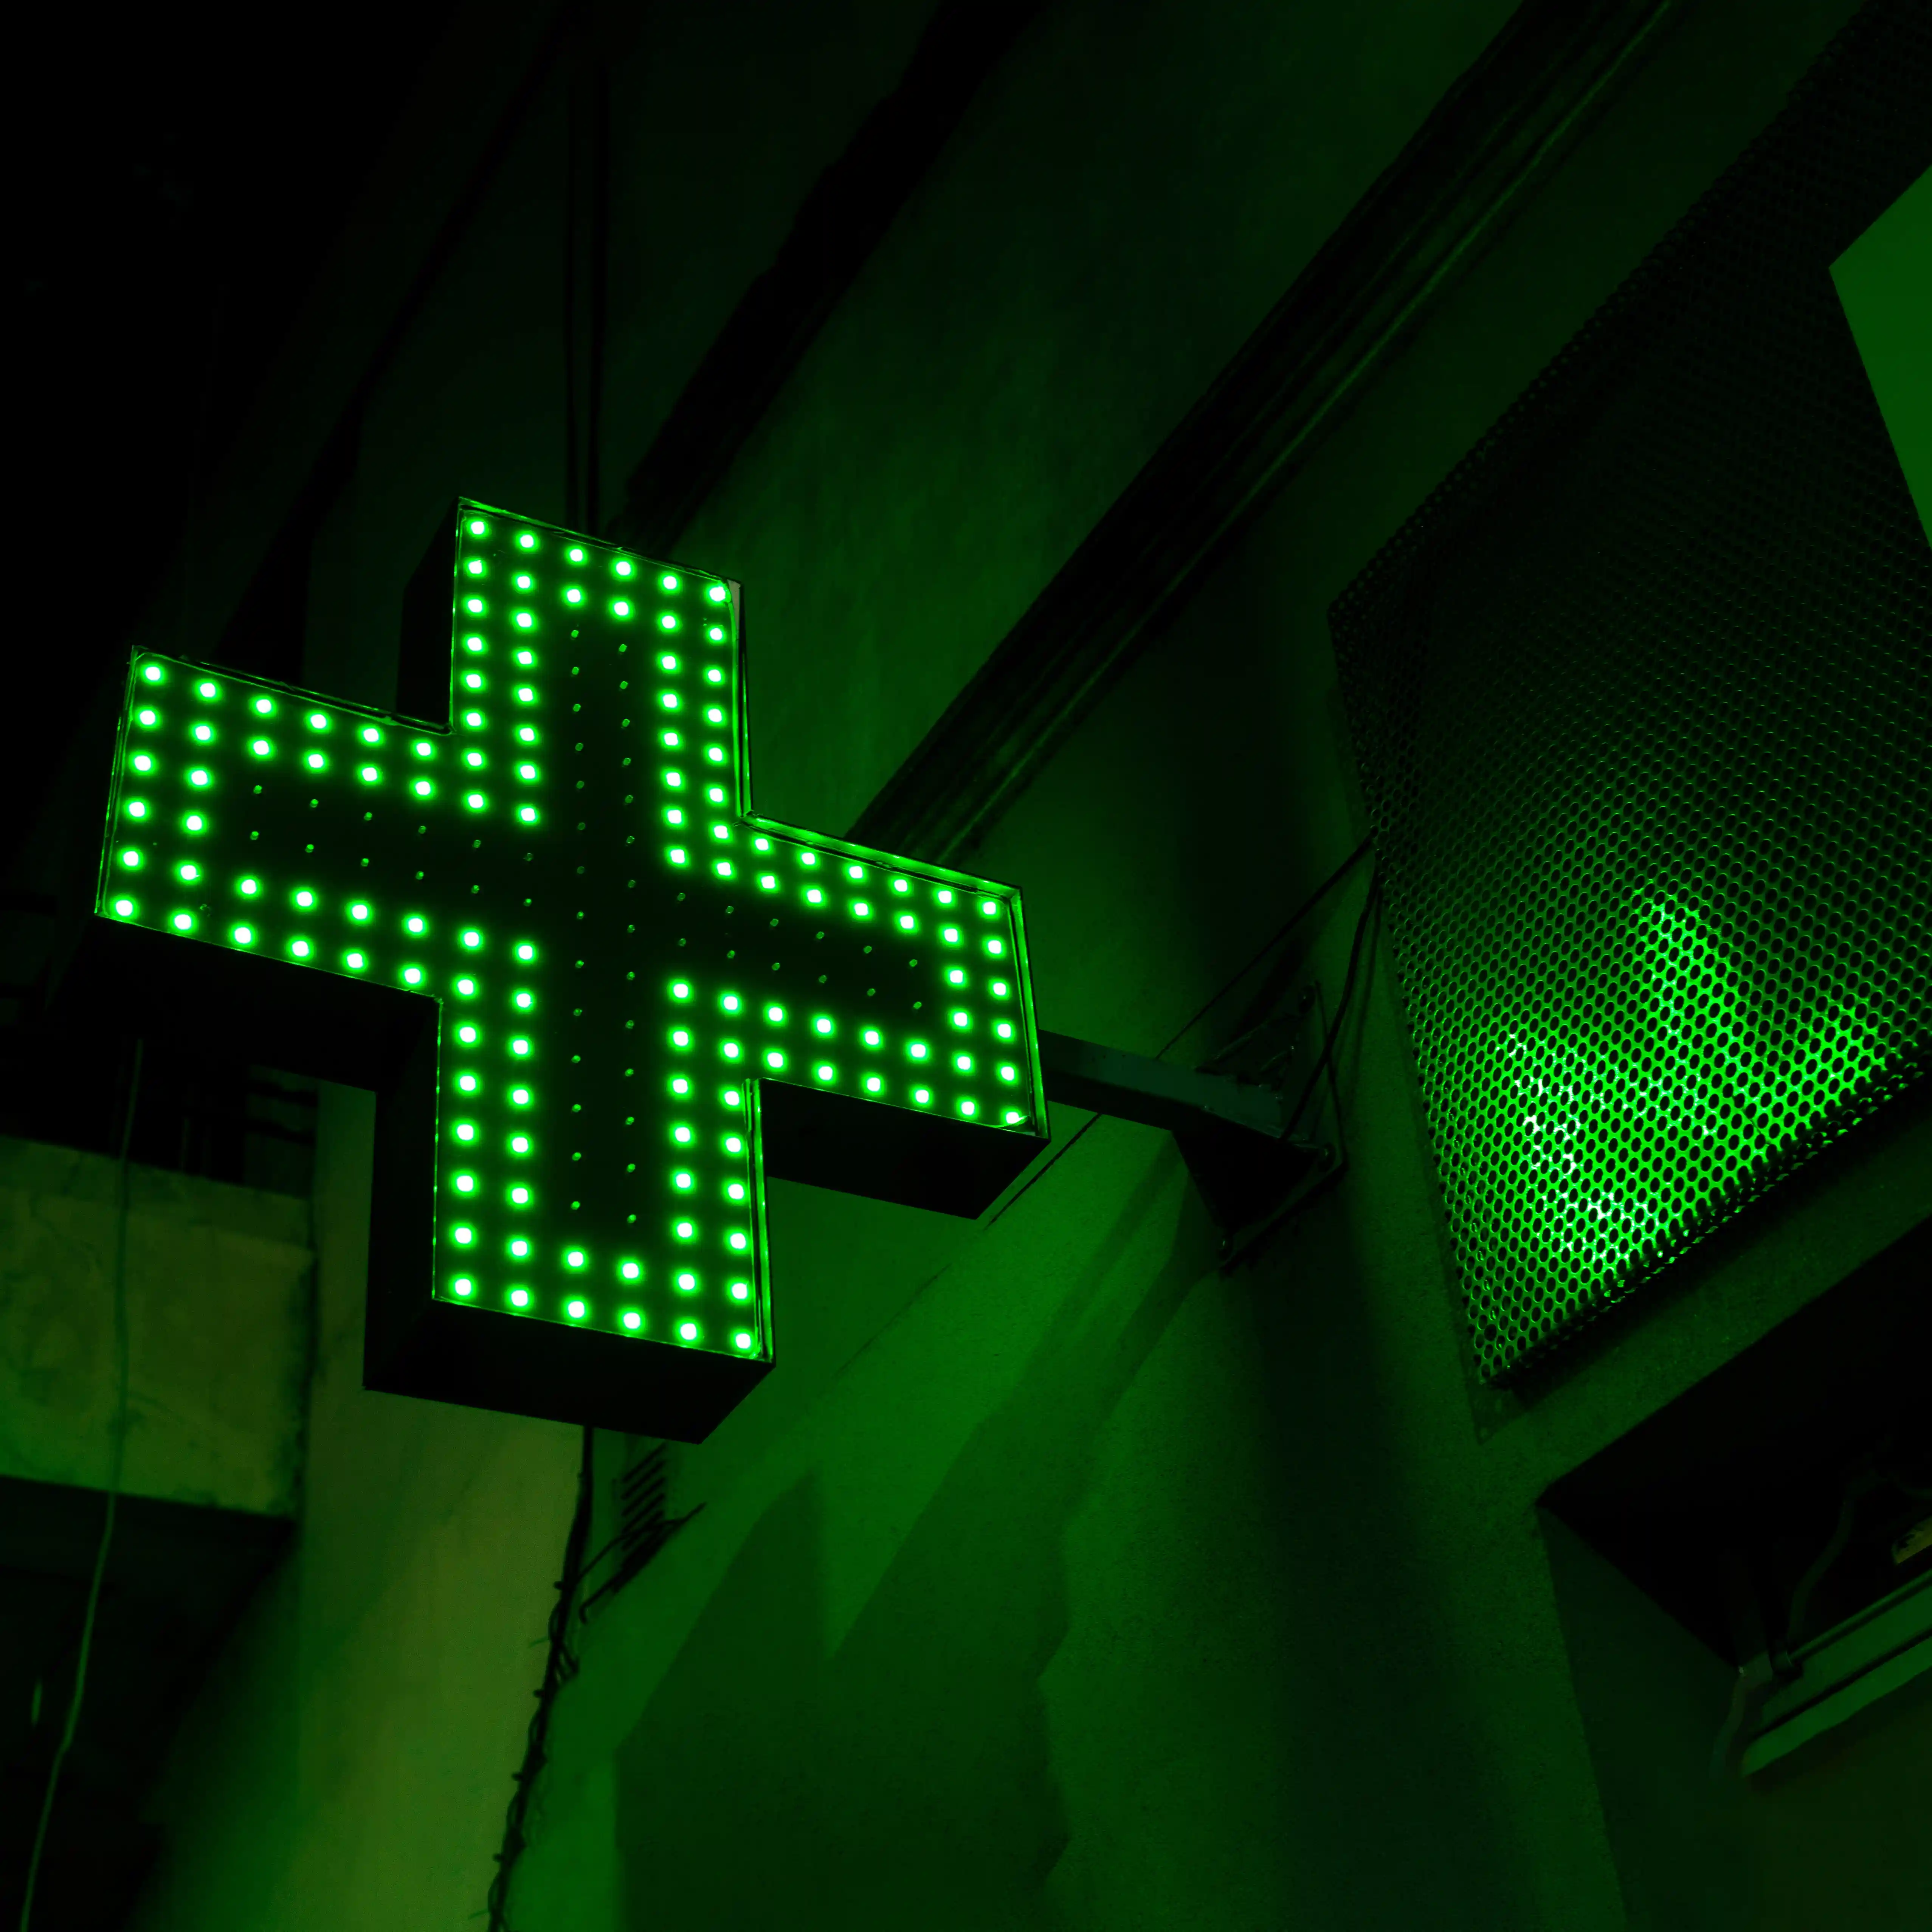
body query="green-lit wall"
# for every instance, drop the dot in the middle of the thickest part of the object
(1053, 1579)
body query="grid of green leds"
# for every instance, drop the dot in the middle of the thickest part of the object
(619, 953)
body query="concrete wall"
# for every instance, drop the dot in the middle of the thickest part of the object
(1053, 1579)
(218, 1299)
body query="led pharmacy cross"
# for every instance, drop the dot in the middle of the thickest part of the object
(639, 986)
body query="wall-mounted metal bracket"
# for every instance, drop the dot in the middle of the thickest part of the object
(1228, 1116)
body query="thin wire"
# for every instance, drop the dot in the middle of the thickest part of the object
(121, 1353)
(1267, 946)
(1341, 1005)
(560, 1667)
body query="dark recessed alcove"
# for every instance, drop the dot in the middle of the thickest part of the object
(1740, 1481)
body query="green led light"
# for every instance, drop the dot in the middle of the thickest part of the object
(187, 872)
(998, 989)
(477, 526)
(194, 822)
(960, 1017)
(442, 867)
(144, 716)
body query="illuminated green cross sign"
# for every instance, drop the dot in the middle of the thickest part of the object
(601, 1000)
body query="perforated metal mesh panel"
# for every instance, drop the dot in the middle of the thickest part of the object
(1641, 701)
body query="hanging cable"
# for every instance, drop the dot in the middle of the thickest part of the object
(1261, 952)
(560, 1667)
(116, 1460)
(1369, 905)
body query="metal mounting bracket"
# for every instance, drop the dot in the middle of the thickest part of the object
(1229, 1117)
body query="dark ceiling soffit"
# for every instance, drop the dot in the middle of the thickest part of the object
(1505, 126)
(264, 634)
(839, 225)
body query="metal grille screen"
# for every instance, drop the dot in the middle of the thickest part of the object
(1640, 697)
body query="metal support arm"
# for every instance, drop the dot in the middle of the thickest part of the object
(1130, 1086)
(1230, 1131)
